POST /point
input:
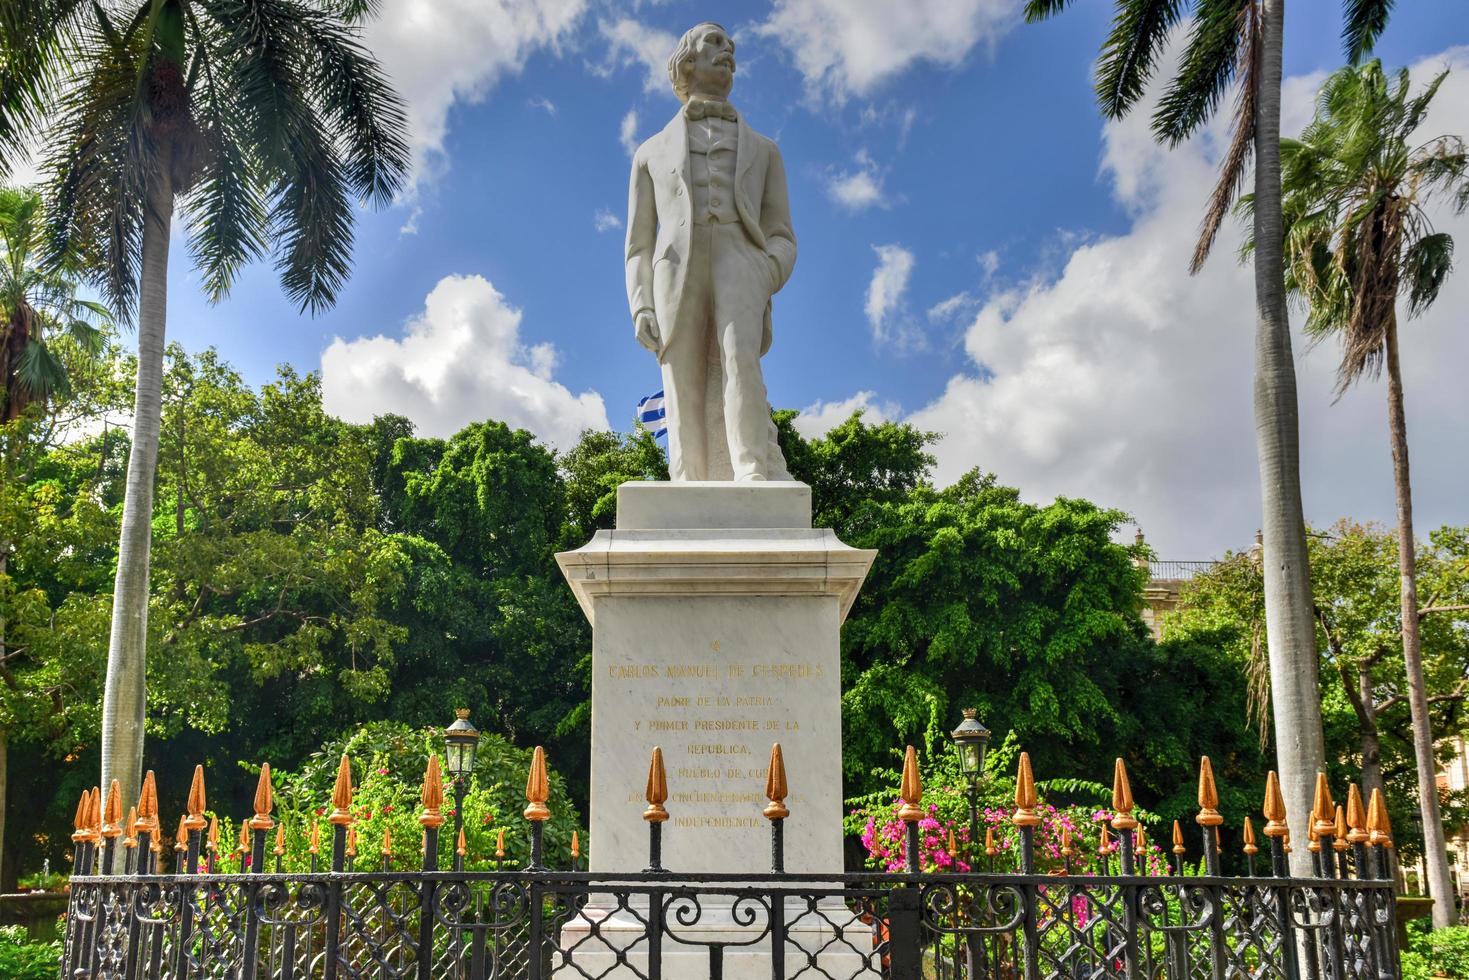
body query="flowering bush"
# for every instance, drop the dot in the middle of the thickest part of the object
(943, 833)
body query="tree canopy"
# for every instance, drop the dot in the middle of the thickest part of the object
(313, 576)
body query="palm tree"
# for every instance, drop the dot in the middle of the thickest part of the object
(1237, 44)
(37, 304)
(1358, 238)
(266, 121)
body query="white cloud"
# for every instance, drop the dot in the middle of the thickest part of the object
(857, 190)
(848, 47)
(627, 132)
(440, 53)
(461, 360)
(1126, 381)
(544, 104)
(633, 43)
(886, 291)
(947, 309)
(989, 262)
(605, 220)
(821, 417)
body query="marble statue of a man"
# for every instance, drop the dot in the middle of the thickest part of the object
(709, 241)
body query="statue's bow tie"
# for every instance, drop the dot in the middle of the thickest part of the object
(703, 108)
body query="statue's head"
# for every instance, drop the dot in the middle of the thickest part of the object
(703, 62)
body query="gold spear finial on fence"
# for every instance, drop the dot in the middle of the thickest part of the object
(1356, 816)
(194, 818)
(575, 846)
(499, 843)
(352, 841)
(1104, 846)
(1122, 799)
(388, 841)
(244, 847)
(1208, 796)
(432, 817)
(910, 789)
(1339, 841)
(1025, 798)
(1313, 843)
(656, 792)
(776, 789)
(212, 843)
(537, 789)
(315, 846)
(130, 828)
(1379, 828)
(181, 839)
(112, 813)
(148, 806)
(264, 800)
(989, 842)
(94, 815)
(460, 848)
(341, 815)
(1140, 840)
(280, 839)
(1274, 809)
(1178, 847)
(80, 821)
(1066, 848)
(1250, 847)
(1323, 811)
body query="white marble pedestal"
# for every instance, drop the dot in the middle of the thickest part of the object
(715, 610)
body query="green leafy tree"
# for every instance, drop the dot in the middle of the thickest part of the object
(388, 761)
(52, 607)
(1237, 44)
(266, 121)
(1356, 581)
(1028, 612)
(1357, 187)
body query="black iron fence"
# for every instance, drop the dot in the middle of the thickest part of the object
(428, 924)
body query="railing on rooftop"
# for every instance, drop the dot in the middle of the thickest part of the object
(348, 920)
(1178, 571)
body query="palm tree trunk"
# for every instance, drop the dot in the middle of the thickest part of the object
(1290, 627)
(1440, 882)
(124, 699)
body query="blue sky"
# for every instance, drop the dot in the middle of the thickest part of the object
(979, 253)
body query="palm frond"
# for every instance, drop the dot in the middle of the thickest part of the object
(1038, 10)
(101, 161)
(40, 374)
(318, 141)
(1221, 42)
(367, 113)
(1128, 54)
(1235, 164)
(228, 216)
(1426, 264)
(34, 37)
(1363, 23)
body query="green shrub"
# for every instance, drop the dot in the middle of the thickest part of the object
(388, 760)
(1443, 953)
(21, 959)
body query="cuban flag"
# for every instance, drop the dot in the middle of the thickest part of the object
(653, 415)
